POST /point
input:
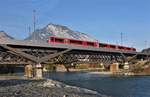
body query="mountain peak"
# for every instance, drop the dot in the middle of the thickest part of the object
(52, 26)
(58, 31)
(56, 25)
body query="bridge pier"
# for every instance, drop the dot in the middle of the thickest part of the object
(28, 70)
(39, 72)
(126, 66)
(114, 67)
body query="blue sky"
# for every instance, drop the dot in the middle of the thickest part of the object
(102, 19)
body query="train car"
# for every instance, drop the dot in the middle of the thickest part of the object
(123, 48)
(59, 40)
(67, 41)
(116, 47)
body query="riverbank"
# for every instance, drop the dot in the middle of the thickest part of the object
(41, 88)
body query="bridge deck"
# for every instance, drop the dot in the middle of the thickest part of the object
(61, 46)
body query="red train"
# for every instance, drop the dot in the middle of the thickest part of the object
(58, 40)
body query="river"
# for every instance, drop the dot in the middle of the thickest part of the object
(137, 86)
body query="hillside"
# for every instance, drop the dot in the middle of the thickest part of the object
(4, 35)
(146, 50)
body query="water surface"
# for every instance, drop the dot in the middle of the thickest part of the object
(138, 86)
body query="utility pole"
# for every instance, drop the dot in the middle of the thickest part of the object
(29, 31)
(34, 23)
(121, 38)
(145, 44)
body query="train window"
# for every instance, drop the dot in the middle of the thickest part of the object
(90, 44)
(128, 48)
(101, 45)
(134, 49)
(120, 47)
(75, 42)
(112, 46)
(59, 40)
(52, 39)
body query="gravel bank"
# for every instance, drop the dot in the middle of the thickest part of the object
(42, 88)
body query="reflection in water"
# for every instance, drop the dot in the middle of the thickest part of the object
(114, 86)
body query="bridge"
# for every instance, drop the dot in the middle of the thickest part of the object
(36, 54)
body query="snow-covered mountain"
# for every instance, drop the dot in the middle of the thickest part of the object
(59, 31)
(4, 35)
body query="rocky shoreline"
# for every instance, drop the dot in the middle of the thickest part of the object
(42, 88)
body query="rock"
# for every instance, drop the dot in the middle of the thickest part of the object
(48, 84)
(42, 88)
